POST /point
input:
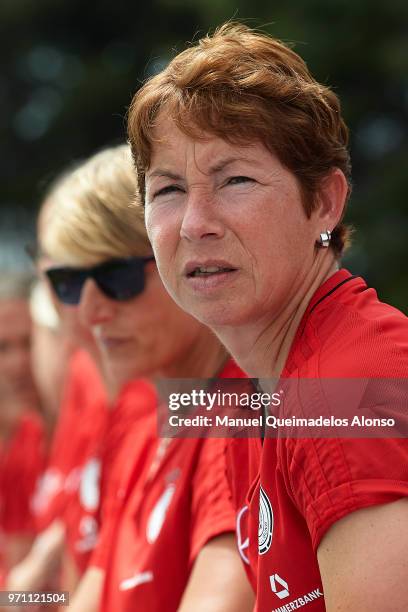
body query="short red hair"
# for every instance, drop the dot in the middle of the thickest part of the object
(242, 85)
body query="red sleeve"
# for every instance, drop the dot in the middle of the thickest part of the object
(212, 509)
(329, 479)
(109, 490)
(22, 464)
(109, 521)
(134, 412)
(49, 497)
(82, 405)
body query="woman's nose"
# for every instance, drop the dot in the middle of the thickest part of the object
(200, 219)
(94, 306)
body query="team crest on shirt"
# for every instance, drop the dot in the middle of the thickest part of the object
(158, 514)
(242, 540)
(265, 527)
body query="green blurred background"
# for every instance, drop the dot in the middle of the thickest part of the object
(69, 69)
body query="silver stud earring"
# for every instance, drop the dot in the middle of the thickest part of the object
(324, 239)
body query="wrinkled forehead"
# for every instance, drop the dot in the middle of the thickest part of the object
(167, 137)
(173, 147)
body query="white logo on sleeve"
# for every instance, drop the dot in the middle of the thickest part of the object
(279, 586)
(265, 527)
(136, 580)
(156, 519)
(89, 488)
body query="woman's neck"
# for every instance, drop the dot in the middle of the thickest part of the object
(262, 348)
(204, 358)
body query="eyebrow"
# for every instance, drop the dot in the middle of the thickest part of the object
(218, 167)
(223, 163)
(164, 172)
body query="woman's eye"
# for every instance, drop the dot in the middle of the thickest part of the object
(237, 180)
(167, 190)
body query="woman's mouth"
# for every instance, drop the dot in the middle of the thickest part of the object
(206, 277)
(203, 271)
(111, 343)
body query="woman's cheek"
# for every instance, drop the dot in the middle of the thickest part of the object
(154, 224)
(162, 231)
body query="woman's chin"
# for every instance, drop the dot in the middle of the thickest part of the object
(217, 315)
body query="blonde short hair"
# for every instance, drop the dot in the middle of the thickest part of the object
(92, 213)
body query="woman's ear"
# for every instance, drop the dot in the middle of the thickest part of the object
(331, 199)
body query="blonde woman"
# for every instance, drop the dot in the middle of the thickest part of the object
(167, 533)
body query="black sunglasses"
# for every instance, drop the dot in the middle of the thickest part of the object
(118, 279)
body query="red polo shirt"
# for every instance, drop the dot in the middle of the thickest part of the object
(298, 488)
(75, 450)
(22, 462)
(176, 503)
(121, 450)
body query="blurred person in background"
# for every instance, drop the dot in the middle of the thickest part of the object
(15, 340)
(51, 350)
(243, 163)
(22, 434)
(74, 400)
(166, 538)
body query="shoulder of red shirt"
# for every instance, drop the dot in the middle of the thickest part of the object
(351, 333)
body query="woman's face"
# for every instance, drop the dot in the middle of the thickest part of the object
(16, 380)
(230, 235)
(143, 336)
